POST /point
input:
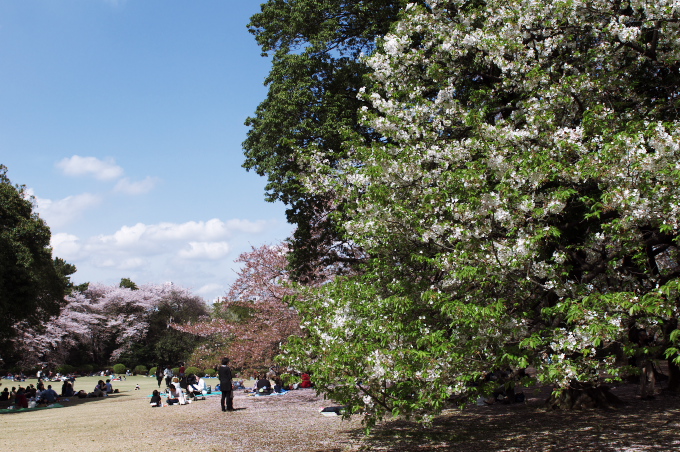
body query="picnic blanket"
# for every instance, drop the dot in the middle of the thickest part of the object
(165, 394)
(258, 394)
(21, 410)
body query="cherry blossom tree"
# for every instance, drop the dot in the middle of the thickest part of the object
(522, 210)
(254, 318)
(104, 321)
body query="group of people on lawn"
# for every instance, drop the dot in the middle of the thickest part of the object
(195, 387)
(31, 395)
(263, 385)
(175, 386)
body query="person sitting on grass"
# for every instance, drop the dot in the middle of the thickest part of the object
(175, 393)
(196, 386)
(306, 381)
(99, 390)
(21, 401)
(67, 390)
(37, 394)
(156, 399)
(263, 386)
(278, 385)
(108, 387)
(49, 395)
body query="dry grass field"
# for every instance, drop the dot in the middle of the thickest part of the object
(291, 422)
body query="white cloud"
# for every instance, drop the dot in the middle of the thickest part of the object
(210, 290)
(106, 263)
(205, 250)
(132, 263)
(66, 246)
(62, 212)
(194, 254)
(136, 188)
(198, 231)
(99, 169)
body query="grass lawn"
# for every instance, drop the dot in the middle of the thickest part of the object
(292, 422)
(120, 421)
(125, 421)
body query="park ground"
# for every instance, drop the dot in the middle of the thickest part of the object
(292, 422)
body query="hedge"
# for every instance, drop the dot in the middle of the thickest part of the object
(194, 370)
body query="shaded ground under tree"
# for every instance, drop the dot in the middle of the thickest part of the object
(292, 422)
(636, 425)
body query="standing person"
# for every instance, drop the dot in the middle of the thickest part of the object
(159, 375)
(168, 375)
(224, 374)
(182, 377)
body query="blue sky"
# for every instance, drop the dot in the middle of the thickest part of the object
(125, 119)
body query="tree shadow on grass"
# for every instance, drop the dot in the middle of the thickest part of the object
(635, 426)
(66, 402)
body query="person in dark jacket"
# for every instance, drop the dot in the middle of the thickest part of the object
(263, 385)
(224, 374)
(156, 400)
(159, 375)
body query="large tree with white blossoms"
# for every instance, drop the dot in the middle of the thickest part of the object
(523, 209)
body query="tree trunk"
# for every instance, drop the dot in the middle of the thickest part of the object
(647, 380)
(583, 396)
(673, 370)
(673, 377)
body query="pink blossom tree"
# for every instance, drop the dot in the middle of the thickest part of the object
(254, 319)
(105, 321)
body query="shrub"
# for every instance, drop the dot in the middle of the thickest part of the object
(140, 369)
(87, 368)
(194, 370)
(210, 372)
(175, 371)
(66, 369)
(152, 371)
(119, 368)
(289, 379)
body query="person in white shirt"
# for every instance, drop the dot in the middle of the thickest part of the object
(196, 386)
(175, 393)
(168, 375)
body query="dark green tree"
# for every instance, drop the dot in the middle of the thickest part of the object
(312, 102)
(32, 285)
(128, 284)
(163, 344)
(65, 270)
